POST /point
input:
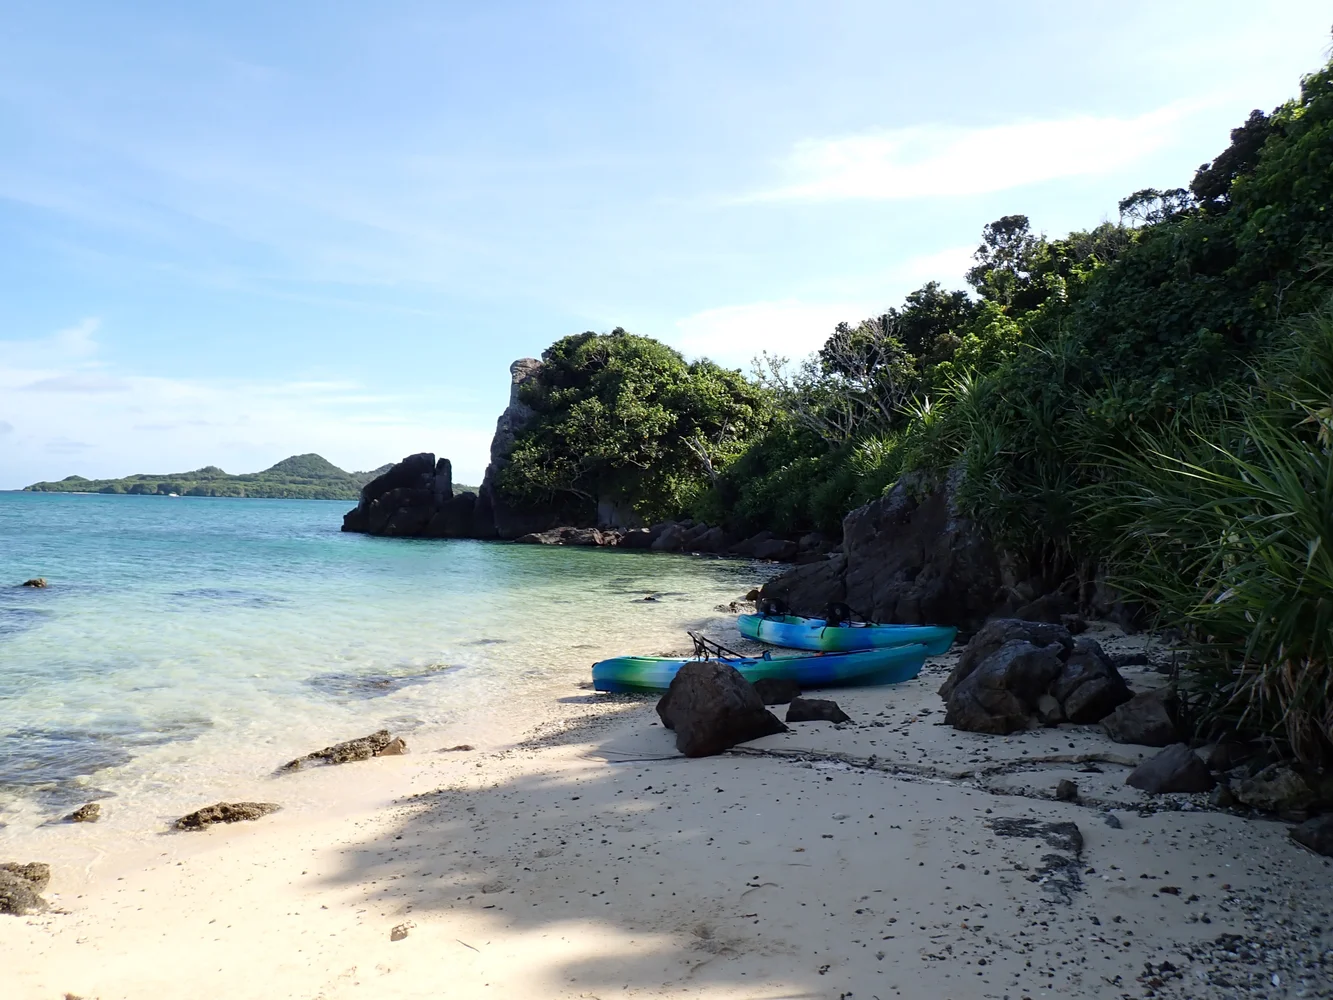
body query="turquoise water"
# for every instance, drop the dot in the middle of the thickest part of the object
(181, 633)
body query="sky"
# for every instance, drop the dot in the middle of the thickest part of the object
(232, 232)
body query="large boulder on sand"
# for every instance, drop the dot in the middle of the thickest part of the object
(1015, 673)
(1175, 769)
(1090, 687)
(1000, 695)
(712, 707)
(1145, 720)
(997, 633)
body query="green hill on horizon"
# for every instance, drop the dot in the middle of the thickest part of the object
(300, 477)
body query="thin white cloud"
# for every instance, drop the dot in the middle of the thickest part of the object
(734, 335)
(80, 384)
(117, 423)
(946, 161)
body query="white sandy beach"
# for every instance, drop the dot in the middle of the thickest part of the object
(585, 859)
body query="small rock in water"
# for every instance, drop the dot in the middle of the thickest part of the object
(393, 748)
(815, 710)
(89, 813)
(777, 691)
(37, 581)
(21, 886)
(1066, 790)
(225, 812)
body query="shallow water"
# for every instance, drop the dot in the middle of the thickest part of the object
(185, 638)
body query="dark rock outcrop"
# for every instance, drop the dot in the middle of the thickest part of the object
(1276, 789)
(415, 498)
(225, 812)
(907, 557)
(1013, 674)
(1000, 695)
(1316, 834)
(1175, 769)
(496, 515)
(361, 748)
(637, 538)
(1089, 688)
(1146, 719)
(776, 690)
(21, 887)
(712, 707)
(815, 710)
(997, 633)
(565, 536)
(37, 582)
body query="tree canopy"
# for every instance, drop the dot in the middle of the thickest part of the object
(625, 426)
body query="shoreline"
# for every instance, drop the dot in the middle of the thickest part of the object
(576, 855)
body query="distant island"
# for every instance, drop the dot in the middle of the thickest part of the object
(301, 477)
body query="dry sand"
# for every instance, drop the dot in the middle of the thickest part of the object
(887, 857)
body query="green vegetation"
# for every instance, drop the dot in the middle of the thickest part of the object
(301, 477)
(1149, 402)
(626, 429)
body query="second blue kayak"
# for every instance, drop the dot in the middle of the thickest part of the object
(796, 632)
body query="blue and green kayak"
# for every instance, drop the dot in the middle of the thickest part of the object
(813, 670)
(796, 632)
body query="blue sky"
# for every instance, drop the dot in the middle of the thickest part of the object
(230, 232)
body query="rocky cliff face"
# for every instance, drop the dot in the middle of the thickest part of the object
(415, 497)
(907, 557)
(496, 517)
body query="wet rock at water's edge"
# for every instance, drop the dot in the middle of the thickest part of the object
(362, 748)
(89, 813)
(225, 812)
(712, 707)
(21, 886)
